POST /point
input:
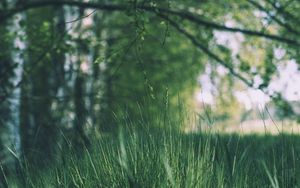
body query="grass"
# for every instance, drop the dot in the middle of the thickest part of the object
(166, 158)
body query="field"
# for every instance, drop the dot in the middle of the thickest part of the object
(144, 157)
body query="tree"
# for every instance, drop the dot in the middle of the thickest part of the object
(42, 72)
(165, 13)
(7, 123)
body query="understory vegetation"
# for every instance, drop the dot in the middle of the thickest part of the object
(164, 157)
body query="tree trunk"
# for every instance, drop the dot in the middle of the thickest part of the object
(42, 77)
(7, 122)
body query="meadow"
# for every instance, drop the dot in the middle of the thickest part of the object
(164, 157)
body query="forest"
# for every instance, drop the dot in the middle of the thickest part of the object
(149, 93)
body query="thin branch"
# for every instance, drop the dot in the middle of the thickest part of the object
(284, 13)
(279, 22)
(124, 7)
(210, 24)
(213, 56)
(206, 50)
(81, 17)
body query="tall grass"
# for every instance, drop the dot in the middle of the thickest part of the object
(144, 155)
(166, 158)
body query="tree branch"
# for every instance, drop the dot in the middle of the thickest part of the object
(278, 21)
(206, 50)
(275, 96)
(124, 7)
(216, 26)
(282, 11)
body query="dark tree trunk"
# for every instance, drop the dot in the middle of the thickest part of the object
(81, 140)
(42, 75)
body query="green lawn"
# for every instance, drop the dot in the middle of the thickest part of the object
(161, 158)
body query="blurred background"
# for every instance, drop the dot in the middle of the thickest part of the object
(81, 70)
